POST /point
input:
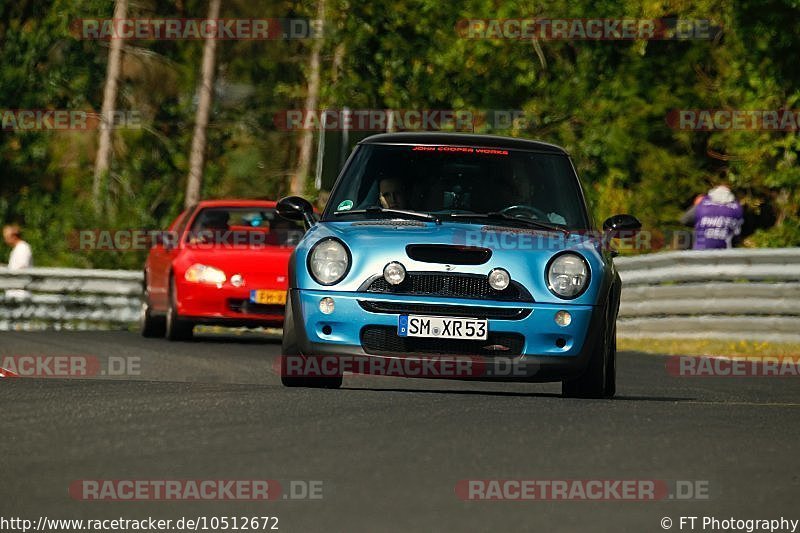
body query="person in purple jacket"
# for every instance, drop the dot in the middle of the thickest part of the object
(717, 219)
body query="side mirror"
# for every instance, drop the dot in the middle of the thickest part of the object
(620, 224)
(619, 227)
(296, 208)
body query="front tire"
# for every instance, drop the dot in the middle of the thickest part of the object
(600, 378)
(290, 349)
(150, 325)
(177, 328)
(611, 370)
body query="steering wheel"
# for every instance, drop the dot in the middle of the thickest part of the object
(532, 212)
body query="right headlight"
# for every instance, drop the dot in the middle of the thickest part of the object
(328, 261)
(198, 273)
(567, 275)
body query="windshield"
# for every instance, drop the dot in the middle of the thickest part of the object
(248, 226)
(460, 183)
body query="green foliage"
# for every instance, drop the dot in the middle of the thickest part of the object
(782, 235)
(606, 102)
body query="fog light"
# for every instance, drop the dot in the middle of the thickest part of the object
(499, 279)
(394, 273)
(237, 280)
(326, 305)
(563, 318)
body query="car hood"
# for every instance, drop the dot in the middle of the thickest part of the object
(523, 252)
(268, 264)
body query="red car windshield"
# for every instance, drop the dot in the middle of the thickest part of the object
(243, 226)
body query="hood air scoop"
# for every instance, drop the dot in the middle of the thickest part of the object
(448, 254)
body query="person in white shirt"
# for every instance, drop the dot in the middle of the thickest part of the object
(21, 256)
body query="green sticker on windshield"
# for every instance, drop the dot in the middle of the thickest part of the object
(347, 205)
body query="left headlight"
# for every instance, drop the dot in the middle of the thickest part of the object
(567, 275)
(198, 273)
(328, 261)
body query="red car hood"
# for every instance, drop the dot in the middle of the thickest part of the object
(268, 262)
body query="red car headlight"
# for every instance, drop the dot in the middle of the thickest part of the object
(198, 273)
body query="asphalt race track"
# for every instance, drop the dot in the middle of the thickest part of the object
(389, 451)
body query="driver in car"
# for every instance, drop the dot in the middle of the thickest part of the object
(391, 195)
(213, 228)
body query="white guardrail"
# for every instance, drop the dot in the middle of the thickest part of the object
(70, 298)
(740, 294)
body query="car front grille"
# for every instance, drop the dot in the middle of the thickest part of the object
(383, 340)
(498, 313)
(446, 285)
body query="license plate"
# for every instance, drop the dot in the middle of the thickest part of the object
(442, 327)
(268, 297)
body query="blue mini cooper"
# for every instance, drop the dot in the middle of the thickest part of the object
(437, 245)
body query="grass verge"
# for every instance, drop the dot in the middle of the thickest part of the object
(708, 347)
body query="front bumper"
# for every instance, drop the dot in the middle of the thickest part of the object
(549, 351)
(225, 306)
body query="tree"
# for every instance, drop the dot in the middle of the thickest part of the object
(103, 160)
(306, 141)
(197, 155)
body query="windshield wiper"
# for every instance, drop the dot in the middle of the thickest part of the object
(398, 213)
(496, 215)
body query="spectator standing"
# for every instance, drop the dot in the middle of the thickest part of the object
(21, 255)
(717, 218)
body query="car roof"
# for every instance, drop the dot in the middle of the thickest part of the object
(236, 203)
(463, 139)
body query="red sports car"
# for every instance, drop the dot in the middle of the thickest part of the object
(222, 262)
